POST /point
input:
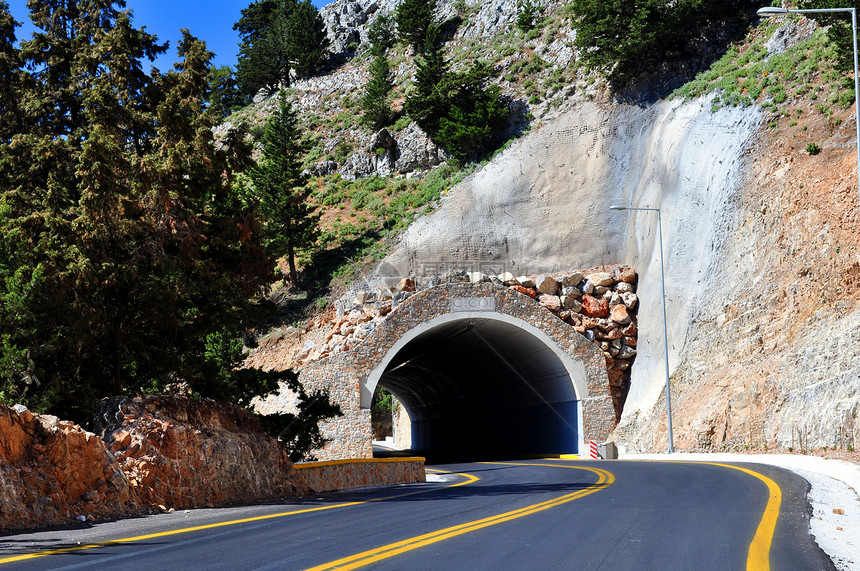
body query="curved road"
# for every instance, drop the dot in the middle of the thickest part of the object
(536, 514)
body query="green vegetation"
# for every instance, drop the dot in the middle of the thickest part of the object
(527, 14)
(128, 262)
(361, 216)
(839, 33)
(225, 96)
(744, 77)
(376, 102)
(279, 189)
(624, 38)
(413, 18)
(278, 36)
(460, 111)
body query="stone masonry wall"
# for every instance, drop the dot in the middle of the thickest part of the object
(590, 315)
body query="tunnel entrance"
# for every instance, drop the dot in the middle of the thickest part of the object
(483, 370)
(486, 386)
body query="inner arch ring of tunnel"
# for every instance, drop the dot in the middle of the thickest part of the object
(484, 384)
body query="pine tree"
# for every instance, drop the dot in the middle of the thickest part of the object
(279, 37)
(281, 190)
(376, 101)
(380, 34)
(10, 74)
(305, 39)
(476, 113)
(459, 111)
(128, 263)
(413, 18)
(225, 96)
(427, 103)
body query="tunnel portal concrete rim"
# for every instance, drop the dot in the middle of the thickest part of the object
(574, 368)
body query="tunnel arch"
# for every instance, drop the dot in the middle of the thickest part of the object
(575, 370)
(520, 341)
(483, 384)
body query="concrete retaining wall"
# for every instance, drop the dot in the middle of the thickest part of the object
(360, 473)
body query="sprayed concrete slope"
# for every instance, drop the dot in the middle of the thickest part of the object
(543, 206)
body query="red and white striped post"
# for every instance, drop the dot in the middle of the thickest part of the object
(592, 449)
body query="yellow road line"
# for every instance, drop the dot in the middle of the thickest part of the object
(468, 480)
(758, 557)
(373, 555)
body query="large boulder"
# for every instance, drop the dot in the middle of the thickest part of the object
(415, 150)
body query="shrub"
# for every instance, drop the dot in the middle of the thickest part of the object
(527, 15)
(813, 149)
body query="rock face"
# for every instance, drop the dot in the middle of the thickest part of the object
(760, 251)
(52, 472)
(348, 21)
(185, 453)
(348, 149)
(159, 453)
(760, 242)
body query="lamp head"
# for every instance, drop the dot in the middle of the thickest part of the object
(770, 11)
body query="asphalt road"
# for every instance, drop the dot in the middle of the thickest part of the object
(541, 514)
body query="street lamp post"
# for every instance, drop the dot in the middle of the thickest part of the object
(770, 12)
(663, 294)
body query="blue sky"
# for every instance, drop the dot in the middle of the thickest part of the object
(209, 20)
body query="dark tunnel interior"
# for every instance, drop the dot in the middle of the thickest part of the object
(484, 389)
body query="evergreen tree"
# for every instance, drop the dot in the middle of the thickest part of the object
(527, 15)
(263, 61)
(10, 74)
(281, 191)
(413, 18)
(127, 261)
(459, 111)
(625, 39)
(279, 37)
(305, 39)
(376, 101)
(380, 34)
(225, 96)
(475, 114)
(427, 102)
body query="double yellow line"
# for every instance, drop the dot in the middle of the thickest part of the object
(371, 556)
(757, 559)
(468, 480)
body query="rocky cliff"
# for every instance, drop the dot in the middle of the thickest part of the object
(158, 454)
(52, 472)
(761, 241)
